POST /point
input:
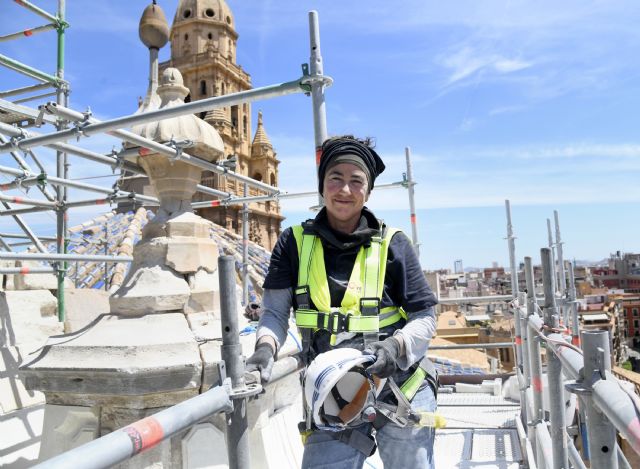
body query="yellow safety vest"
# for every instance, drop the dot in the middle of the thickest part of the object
(360, 307)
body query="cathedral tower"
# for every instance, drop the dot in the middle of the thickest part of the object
(203, 47)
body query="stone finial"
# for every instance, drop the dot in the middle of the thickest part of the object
(153, 29)
(172, 87)
(261, 137)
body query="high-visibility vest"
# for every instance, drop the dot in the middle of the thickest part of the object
(359, 310)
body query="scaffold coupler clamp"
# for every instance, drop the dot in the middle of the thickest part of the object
(15, 140)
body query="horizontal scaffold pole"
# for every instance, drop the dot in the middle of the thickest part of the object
(27, 32)
(266, 92)
(126, 442)
(37, 10)
(28, 71)
(148, 146)
(44, 256)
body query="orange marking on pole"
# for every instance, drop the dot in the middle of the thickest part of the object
(66, 216)
(575, 340)
(143, 151)
(413, 218)
(215, 203)
(4, 187)
(17, 200)
(518, 340)
(24, 270)
(101, 201)
(144, 433)
(318, 155)
(634, 430)
(28, 32)
(536, 381)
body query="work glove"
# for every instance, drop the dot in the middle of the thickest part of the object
(262, 361)
(253, 311)
(387, 352)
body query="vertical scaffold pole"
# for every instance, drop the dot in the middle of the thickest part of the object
(562, 279)
(245, 249)
(317, 88)
(512, 252)
(572, 295)
(553, 257)
(535, 361)
(237, 427)
(554, 369)
(61, 165)
(601, 433)
(412, 203)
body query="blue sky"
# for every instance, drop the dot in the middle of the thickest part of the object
(535, 102)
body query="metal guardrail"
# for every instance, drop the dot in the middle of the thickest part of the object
(606, 407)
(229, 397)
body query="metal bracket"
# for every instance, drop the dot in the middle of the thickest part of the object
(578, 388)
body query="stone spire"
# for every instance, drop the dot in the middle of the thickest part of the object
(154, 34)
(261, 137)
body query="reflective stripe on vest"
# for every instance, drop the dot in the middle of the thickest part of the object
(359, 309)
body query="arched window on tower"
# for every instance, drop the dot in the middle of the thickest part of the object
(234, 116)
(257, 176)
(272, 180)
(203, 88)
(245, 130)
(222, 88)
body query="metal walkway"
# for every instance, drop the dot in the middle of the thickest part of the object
(481, 432)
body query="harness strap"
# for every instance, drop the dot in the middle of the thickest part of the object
(365, 443)
(426, 369)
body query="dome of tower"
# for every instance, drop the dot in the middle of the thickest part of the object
(209, 10)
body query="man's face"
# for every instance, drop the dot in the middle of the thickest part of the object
(345, 190)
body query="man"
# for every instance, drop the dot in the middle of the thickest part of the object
(322, 270)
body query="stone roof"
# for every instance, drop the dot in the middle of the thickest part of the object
(261, 137)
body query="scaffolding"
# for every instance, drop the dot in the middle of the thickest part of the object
(72, 124)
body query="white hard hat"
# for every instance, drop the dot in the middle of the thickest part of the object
(335, 379)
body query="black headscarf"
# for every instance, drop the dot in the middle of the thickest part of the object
(337, 146)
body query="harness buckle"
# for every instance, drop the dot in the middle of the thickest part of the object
(369, 306)
(303, 297)
(338, 322)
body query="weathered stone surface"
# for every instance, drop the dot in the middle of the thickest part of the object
(82, 306)
(151, 289)
(13, 395)
(187, 255)
(204, 446)
(119, 355)
(36, 281)
(204, 292)
(20, 432)
(189, 224)
(67, 427)
(32, 320)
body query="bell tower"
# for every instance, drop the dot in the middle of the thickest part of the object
(203, 47)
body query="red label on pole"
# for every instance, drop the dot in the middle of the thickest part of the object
(215, 203)
(318, 155)
(143, 151)
(413, 218)
(24, 270)
(536, 381)
(575, 340)
(17, 200)
(101, 201)
(28, 32)
(144, 434)
(518, 340)
(4, 187)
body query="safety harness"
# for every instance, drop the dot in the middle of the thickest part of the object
(359, 312)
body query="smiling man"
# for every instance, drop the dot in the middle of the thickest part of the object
(336, 270)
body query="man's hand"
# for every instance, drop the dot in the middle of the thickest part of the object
(387, 353)
(262, 360)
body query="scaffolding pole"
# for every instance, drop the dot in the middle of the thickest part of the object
(24, 89)
(412, 203)
(150, 145)
(44, 256)
(318, 82)
(28, 32)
